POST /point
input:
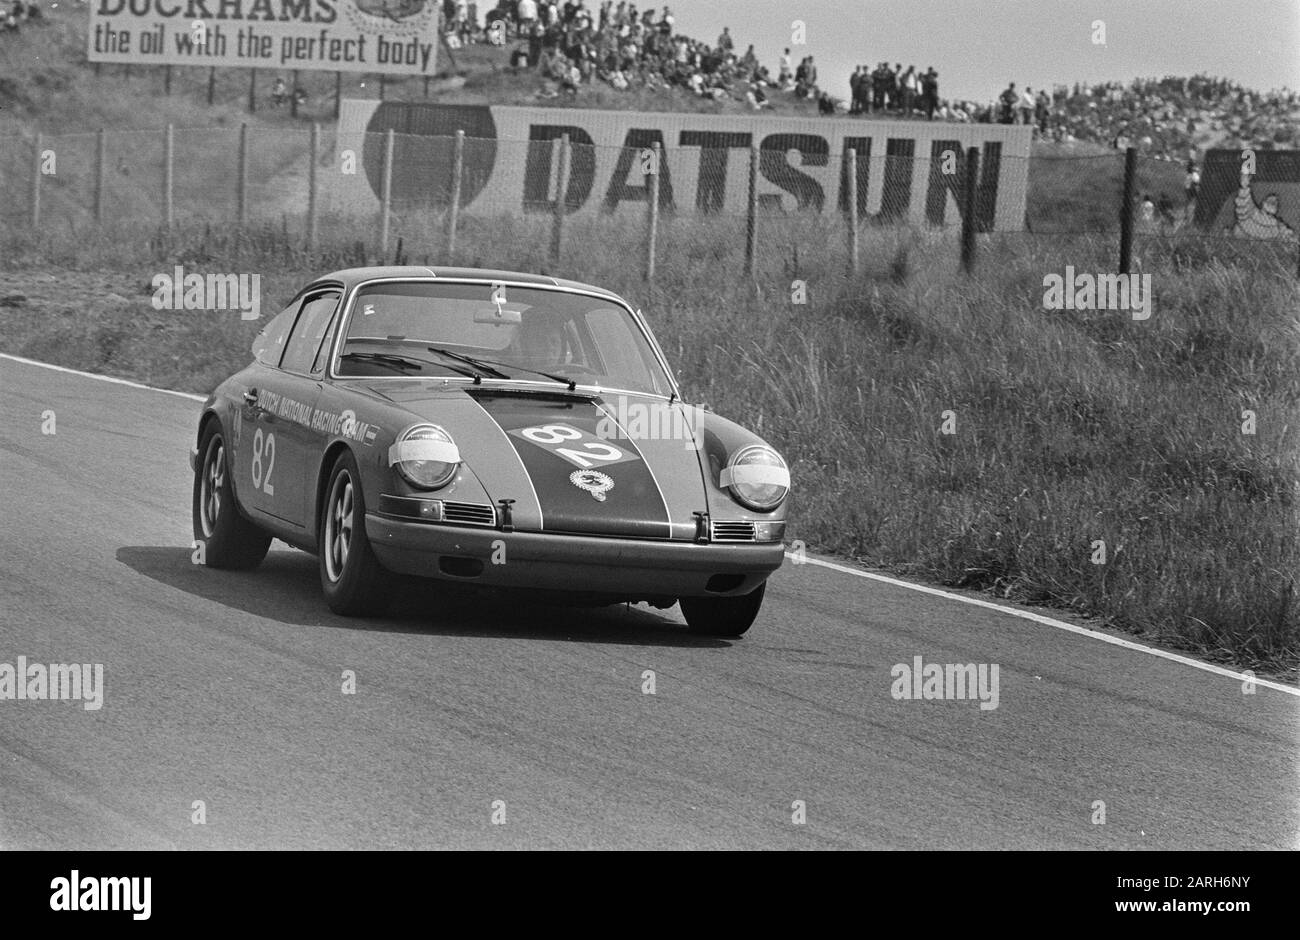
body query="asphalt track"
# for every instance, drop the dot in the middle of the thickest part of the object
(226, 688)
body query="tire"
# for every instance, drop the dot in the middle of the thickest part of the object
(229, 540)
(722, 616)
(350, 575)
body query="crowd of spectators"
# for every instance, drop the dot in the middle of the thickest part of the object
(892, 91)
(11, 19)
(1171, 117)
(572, 44)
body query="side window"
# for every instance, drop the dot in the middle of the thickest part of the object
(323, 354)
(622, 350)
(268, 345)
(305, 340)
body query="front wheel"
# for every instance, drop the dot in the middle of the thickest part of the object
(228, 540)
(722, 616)
(350, 575)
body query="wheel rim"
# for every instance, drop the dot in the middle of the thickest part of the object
(339, 520)
(211, 481)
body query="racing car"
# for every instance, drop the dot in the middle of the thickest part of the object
(496, 428)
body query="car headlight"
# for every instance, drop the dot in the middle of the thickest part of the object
(757, 477)
(425, 456)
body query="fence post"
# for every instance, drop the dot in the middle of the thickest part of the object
(36, 181)
(167, 79)
(382, 82)
(252, 91)
(453, 216)
(851, 167)
(386, 194)
(241, 200)
(312, 207)
(561, 192)
(212, 84)
(751, 216)
(293, 96)
(1126, 211)
(101, 158)
(653, 213)
(169, 154)
(338, 91)
(968, 210)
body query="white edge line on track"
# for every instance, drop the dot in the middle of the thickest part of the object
(1058, 624)
(843, 569)
(103, 378)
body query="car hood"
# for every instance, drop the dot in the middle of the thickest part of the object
(615, 464)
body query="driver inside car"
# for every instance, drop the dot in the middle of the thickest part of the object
(539, 341)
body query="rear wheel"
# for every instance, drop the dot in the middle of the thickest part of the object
(722, 616)
(229, 540)
(351, 577)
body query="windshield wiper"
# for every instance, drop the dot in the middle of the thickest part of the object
(492, 363)
(403, 363)
(479, 364)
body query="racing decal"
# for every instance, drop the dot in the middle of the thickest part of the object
(569, 463)
(593, 481)
(344, 423)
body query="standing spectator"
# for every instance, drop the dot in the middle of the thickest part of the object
(879, 79)
(1026, 106)
(784, 74)
(1148, 211)
(724, 41)
(855, 84)
(1042, 108)
(1192, 186)
(930, 92)
(864, 90)
(1007, 105)
(527, 16)
(907, 90)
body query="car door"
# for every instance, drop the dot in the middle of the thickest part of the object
(246, 419)
(278, 445)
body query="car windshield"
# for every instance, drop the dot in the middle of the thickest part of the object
(496, 331)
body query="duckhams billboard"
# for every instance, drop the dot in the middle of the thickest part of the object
(396, 37)
(907, 172)
(1251, 194)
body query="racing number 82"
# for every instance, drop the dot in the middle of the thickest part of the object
(260, 482)
(592, 453)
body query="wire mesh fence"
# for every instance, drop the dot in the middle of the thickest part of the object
(376, 190)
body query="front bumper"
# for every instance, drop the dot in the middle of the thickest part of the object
(630, 569)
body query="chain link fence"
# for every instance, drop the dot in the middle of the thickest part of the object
(379, 190)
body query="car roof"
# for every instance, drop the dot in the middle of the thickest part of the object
(350, 277)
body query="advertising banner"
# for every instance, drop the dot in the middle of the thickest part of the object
(907, 171)
(396, 37)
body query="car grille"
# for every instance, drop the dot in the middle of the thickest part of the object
(732, 531)
(469, 513)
